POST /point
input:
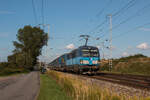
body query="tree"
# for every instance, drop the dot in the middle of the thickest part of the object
(29, 46)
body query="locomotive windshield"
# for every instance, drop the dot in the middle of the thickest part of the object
(90, 52)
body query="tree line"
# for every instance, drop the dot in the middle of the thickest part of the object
(28, 47)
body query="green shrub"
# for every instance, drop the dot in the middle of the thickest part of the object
(136, 64)
(9, 71)
(3, 64)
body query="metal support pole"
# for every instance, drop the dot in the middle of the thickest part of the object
(103, 49)
(110, 60)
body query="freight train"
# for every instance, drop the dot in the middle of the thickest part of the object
(84, 59)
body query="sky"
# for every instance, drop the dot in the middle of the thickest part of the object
(69, 19)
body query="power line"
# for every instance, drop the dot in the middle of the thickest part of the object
(126, 7)
(129, 18)
(103, 9)
(99, 26)
(42, 12)
(34, 12)
(131, 30)
(123, 9)
(133, 16)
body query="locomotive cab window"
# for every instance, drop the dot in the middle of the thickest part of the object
(90, 52)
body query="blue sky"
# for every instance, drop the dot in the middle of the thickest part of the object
(70, 18)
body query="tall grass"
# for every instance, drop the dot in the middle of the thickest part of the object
(80, 89)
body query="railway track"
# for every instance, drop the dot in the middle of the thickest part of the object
(136, 81)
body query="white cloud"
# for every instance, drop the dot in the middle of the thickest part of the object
(144, 29)
(70, 46)
(125, 54)
(143, 46)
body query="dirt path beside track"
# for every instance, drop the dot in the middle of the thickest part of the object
(20, 87)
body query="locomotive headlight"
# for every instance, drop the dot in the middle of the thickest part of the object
(84, 62)
(95, 62)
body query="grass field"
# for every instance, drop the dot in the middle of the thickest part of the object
(50, 90)
(80, 89)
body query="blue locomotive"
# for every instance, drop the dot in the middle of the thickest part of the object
(81, 60)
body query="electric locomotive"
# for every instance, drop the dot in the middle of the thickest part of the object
(81, 60)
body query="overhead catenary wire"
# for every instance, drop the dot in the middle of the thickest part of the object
(103, 9)
(134, 29)
(129, 18)
(98, 26)
(123, 9)
(34, 12)
(42, 13)
(100, 13)
(131, 30)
